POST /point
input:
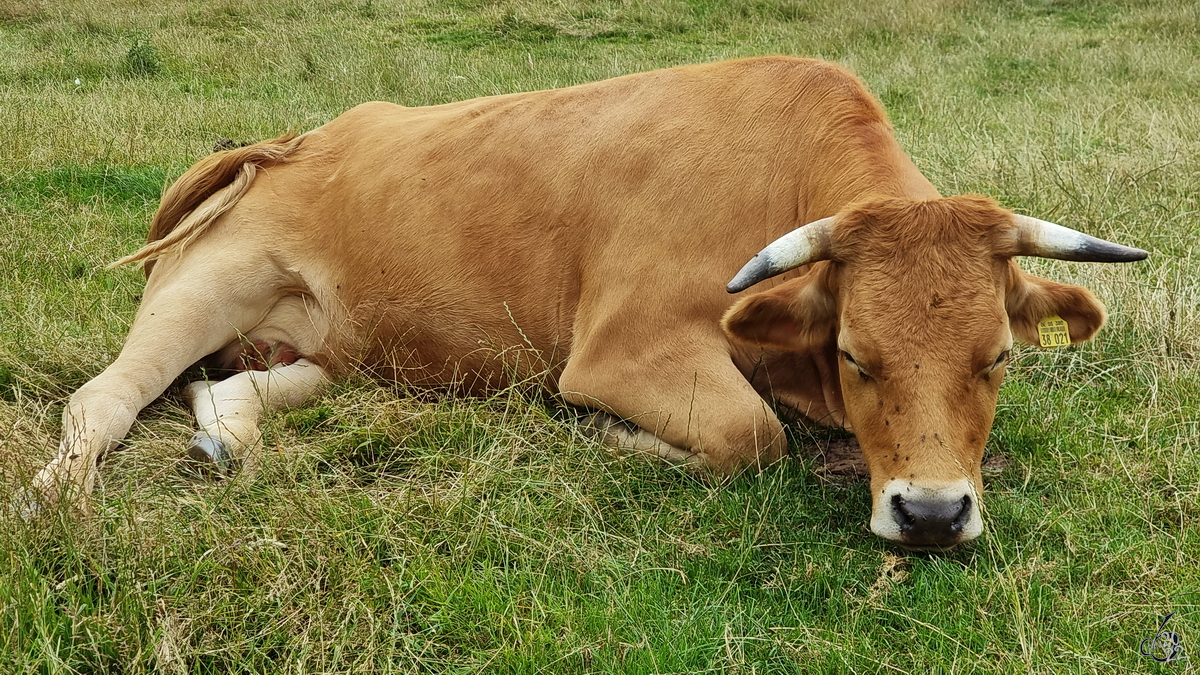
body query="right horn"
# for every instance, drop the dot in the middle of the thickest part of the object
(1047, 240)
(801, 246)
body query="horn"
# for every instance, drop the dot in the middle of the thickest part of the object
(1048, 240)
(801, 246)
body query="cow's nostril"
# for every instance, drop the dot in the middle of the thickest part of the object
(964, 514)
(901, 514)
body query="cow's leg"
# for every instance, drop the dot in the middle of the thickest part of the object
(688, 396)
(191, 310)
(626, 438)
(229, 411)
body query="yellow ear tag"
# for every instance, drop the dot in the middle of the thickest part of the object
(1052, 332)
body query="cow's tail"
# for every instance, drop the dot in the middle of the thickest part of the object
(227, 175)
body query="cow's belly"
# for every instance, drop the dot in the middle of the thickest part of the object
(470, 347)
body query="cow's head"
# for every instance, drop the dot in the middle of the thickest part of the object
(923, 300)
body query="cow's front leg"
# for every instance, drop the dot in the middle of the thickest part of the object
(689, 403)
(229, 412)
(629, 439)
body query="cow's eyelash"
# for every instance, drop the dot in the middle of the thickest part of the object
(1001, 359)
(854, 364)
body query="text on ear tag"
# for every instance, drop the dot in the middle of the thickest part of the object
(1052, 332)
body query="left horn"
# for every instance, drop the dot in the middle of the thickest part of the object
(801, 246)
(1048, 240)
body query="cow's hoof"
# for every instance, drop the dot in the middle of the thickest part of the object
(210, 454)
(27, 505)
(36, 503)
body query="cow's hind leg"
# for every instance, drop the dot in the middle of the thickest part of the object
(194, 308)
(229, 412)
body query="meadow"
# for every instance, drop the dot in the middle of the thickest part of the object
(400, 531)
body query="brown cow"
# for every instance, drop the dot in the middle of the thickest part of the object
(585, 234)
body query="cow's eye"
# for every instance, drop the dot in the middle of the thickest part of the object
(855, 367)
(1000, 359)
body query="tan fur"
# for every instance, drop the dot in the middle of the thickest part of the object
(582, 238)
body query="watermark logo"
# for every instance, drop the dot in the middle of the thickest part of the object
(1165, 647)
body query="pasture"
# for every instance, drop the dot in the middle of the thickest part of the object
(394, 530)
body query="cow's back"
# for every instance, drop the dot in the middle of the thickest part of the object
(439, 237)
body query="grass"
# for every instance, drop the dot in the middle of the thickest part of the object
(397, 532)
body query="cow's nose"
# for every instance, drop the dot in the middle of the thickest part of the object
(927, 516)
(931, 522)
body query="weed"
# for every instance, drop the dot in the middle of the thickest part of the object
(143, 57)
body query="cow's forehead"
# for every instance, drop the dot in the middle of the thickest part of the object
(910, 264)
(939, 299)
(936, 284)
(941, 232)
(965, 325)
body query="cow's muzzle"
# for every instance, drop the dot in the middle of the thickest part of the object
(927, 516)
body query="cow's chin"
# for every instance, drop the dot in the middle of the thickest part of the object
(925, 515)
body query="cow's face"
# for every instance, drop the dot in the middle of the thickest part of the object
(922, 301)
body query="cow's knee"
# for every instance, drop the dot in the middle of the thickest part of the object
(743, 443)
(717, 421)
(724, 448)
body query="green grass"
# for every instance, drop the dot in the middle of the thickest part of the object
(397, 532)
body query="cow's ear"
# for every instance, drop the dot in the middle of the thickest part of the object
(1032, 299)
(795, 315)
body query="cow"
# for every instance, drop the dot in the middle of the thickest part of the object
(583, 237)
